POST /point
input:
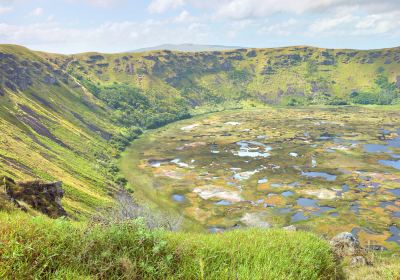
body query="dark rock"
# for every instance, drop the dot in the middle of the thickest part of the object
(43, 196)
(10, 85)
(96, 57)
(388, 61)
(236, 57)
(102, 65)
(346, 244)
(268, 70)
(129, 69)
(50, 80)
(290, 228)
(358, 261)
(226, 66)
(376, 248)
(327, 62)
(314, 87)
(252, 53)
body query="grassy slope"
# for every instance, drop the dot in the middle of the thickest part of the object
(43, 138)
(267, 75)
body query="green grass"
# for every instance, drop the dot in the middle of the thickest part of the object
(254, 254)
(40, 248)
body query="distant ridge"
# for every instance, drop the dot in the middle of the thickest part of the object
(187, 48)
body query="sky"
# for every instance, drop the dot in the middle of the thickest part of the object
(73, 26)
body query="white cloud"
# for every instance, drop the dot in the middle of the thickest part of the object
(378, 23)
(241, 9)
(344, 24)
(37, 12)
(328, 24)
(282, 28)
(160, 6)
(184, 16)
(237, 26)
(5, 9)
(128, 35)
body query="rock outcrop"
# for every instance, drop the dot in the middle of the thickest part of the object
(346, 245)
(42, 196)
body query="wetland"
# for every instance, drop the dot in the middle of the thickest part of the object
(325, 170)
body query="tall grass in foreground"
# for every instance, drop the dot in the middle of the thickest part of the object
(253, 254)
(40, 248)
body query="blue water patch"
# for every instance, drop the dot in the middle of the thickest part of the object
(385, 204)
(250, 149)
(216, 230)
(345, 188)
(324, 137)
(394, 143)
(395, 191)
(223, 203)
(306, 202)
(276, 185)
(395, 237)
(385, 131)
(355, 209)
(287, 193)
(299, 216)
(326, 176)
(355, 231)
(263, 180)
(322, 210)
(178, 198)
(391, 163)
(376, 148)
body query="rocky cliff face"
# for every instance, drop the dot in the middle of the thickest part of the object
(42, 196)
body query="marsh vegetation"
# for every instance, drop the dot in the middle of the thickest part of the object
(325, 170)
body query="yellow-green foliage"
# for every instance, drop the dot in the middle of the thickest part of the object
(39, 248)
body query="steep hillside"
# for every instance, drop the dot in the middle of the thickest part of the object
(67, 117)
(275, 76)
